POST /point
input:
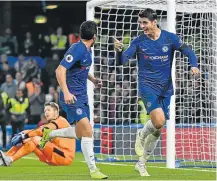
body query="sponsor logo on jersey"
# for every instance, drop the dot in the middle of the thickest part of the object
(165, 49)
(162, 58)
(79, 111)
(69, 58)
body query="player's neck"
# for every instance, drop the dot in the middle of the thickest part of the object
(155, 34)
(87, 43)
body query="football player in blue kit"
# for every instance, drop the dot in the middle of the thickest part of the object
(155, 50)
(72, 75)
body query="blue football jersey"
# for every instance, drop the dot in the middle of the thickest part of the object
(155, 61)
(77, 60)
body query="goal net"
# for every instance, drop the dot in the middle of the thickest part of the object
(117, 108)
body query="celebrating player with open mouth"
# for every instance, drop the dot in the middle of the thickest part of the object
(155, 50)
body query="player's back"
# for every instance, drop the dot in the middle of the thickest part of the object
(65, 143)
(77, 61)
(155, 60)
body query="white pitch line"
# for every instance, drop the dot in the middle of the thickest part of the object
(30, 158)
(125, 165)
(106, 180)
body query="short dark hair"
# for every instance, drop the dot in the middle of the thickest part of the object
(148, 13)
(88, 29)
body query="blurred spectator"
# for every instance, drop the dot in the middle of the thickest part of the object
(46, 80)
(74, 36)
(37, 101)
(58, 40)
(18, 111)
(30, 86)
(4, 58)
(29, 70)
(118, 90)
(3, 117)
(112, 108)
(19, 81)
(28, 45)
(97, 118)
(44, 46)
(9, 86)
(8, 43)
(52, 64)
(19, 63)
(43, 120)
(52, 96)
(5, 69)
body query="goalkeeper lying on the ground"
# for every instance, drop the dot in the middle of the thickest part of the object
(58, 151)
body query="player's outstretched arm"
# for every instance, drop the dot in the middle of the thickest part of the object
(187, 51)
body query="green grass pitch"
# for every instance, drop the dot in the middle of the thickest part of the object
(29, 168)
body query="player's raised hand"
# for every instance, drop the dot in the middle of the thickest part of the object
(118, 45)
(69, 98)
(195, 71)
(98, 82)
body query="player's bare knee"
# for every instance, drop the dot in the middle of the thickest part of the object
(84, 133)
(158, 118)
(159, 124)
(83, 128)
(87, 133)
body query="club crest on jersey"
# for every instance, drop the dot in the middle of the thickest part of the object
(79, 111)
(165, 49)
(69, 58)
(148, 104)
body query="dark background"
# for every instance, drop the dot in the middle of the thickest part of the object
(19, 16)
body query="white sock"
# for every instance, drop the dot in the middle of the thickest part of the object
(87, 149)
(151, 143)
(142, 159)
(64, 133)
(147, 129)
(1, 162)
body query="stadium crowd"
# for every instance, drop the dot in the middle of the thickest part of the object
(27, 76)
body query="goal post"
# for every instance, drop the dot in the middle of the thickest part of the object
(170, 138)
(189, 137)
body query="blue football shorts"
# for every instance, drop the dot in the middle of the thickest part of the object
(76, 112)
(153, 101)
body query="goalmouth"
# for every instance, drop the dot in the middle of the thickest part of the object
(189, 137)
